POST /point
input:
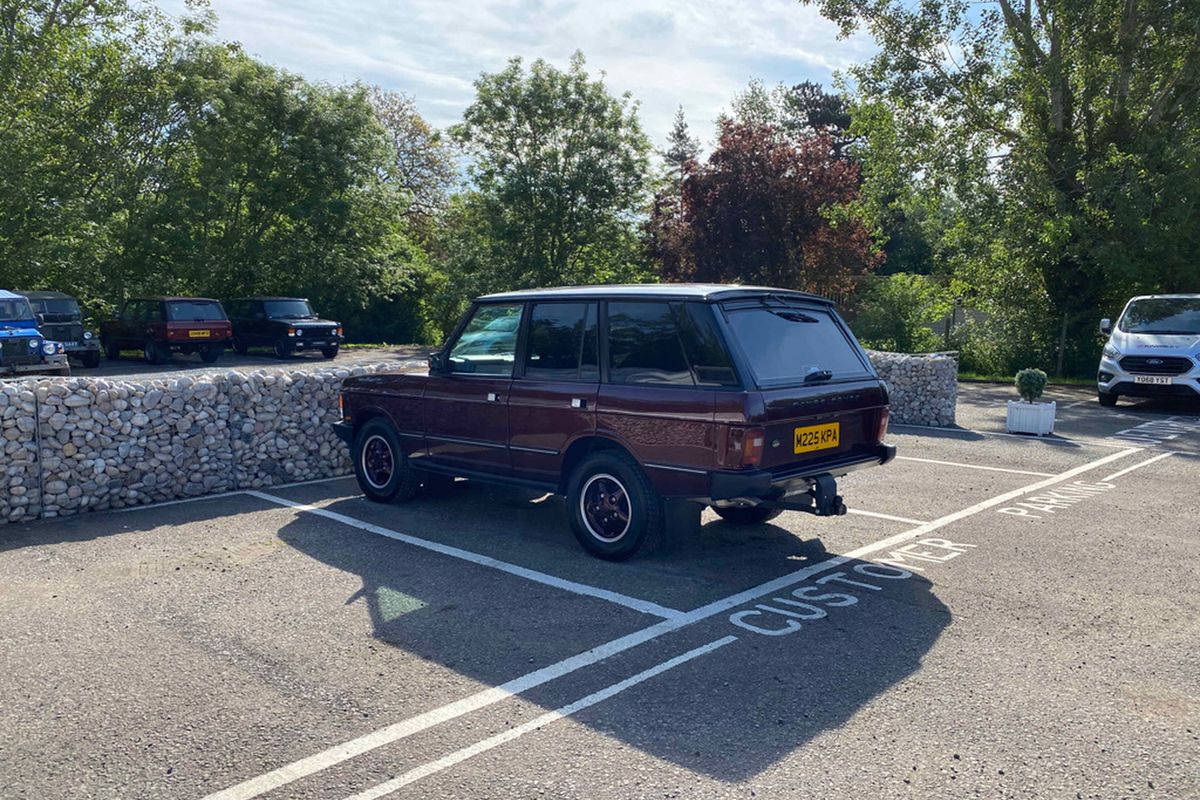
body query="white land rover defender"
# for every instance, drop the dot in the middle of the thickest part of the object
(1154, 350)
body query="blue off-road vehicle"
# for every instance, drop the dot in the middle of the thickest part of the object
(23, 349)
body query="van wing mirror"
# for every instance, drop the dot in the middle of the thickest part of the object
(41, 318)
(1106, 326)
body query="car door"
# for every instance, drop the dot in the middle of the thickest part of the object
(553, 397)
(652, 399)
(466, 405)
(128, 325)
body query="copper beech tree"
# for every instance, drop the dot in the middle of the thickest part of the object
(764, 209)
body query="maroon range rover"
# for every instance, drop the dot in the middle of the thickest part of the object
(627, 399)
(159, 326)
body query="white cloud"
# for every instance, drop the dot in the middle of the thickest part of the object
(695, 53)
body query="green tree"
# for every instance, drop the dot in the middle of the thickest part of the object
(83, 113)
(681, 148)
(1070, 129)
(271, 185)
(559, 168)
(424, 165)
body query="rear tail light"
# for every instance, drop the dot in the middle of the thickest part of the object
(884, 416)
(744, 448)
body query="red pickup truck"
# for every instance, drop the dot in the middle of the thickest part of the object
(159, 326)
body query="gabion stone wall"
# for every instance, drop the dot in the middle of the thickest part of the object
(923, 388)
(19, 485)
(116, 443)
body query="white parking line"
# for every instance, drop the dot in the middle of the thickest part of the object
(1145, 463)
(221, 495)
(459, 756)
(975, 466)
(253, 787)
(877, 515)
(1023, 437)
(644, 606)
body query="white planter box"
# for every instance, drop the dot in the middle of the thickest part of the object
(1035, 418)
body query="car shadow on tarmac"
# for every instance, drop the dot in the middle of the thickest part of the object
(730, 714)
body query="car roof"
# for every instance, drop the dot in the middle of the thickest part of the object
(173, 298)
(7, 295)
(651, 291)
(262, 299)
(45, 295)
(1165, 297)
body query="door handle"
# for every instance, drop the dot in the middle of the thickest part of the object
(578, 402)
(492, 397)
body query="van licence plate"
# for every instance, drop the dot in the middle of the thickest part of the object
(204, 334)
(817, 437)
(1157, 380)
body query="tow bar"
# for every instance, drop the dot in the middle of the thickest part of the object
(821, 499)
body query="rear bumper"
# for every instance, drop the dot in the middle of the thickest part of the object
(762, 485)
(192, 345)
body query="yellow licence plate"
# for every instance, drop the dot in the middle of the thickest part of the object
(817, 437)
(205, 334)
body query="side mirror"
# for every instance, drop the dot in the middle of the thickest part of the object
(41, 318)
(437, 364)
(1106, 326)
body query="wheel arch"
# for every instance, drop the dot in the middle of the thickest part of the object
(583, 447)
(367, 413)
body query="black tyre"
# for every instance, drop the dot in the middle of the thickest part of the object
(281, 349)
(381, 466)
(111, 351)
(615, 511)
(154, 354)
(749, 515)
(329, 352)
(91, 359)
(210, 353)
(1107, 399)
(239, 346)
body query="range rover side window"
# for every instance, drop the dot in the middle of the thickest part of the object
(644, 346)
(488, 344)
(562, 342)
(704, 346)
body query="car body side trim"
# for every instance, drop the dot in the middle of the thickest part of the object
(674, 468)
(460, 440)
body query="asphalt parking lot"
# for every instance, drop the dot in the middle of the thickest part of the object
(999, 616)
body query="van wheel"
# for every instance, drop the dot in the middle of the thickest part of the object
(1107, 399)
(91, 359)
(380, 465)
(152, 352)
(329, 352)
(747, 515)
(280, 349)
(615, 511)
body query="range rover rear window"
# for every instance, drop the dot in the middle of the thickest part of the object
(192, 311)
(787, 344)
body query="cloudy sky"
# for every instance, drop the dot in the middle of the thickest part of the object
(666, 52)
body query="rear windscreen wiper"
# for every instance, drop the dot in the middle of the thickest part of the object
(793, 316)
(818, 375)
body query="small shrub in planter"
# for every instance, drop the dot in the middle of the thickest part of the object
(1030, 384)
(1030, 416)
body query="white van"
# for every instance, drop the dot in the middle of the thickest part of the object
(1154, 350)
